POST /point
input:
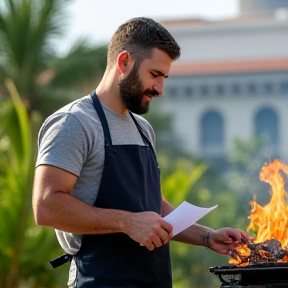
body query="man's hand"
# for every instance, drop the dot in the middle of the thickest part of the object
(149, 229)
(225, 240)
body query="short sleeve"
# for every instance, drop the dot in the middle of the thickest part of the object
(63, 143)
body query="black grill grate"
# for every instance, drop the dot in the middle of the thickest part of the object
(264, 275)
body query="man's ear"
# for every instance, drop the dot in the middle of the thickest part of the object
(122, 62)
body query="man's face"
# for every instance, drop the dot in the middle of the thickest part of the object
(132, 92)
(136, 93)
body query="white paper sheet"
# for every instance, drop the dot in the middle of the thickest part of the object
(186, 215)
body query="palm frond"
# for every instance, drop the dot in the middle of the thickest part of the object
(82, 64)
(26, 30)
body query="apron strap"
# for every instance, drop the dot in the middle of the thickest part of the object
(141, 130)
(101, 115)
(103, 120)
(61, 260)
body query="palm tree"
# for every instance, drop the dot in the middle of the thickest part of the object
(23, 246)
(45, 80)
(28, 54)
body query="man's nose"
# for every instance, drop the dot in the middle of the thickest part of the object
(159, 87)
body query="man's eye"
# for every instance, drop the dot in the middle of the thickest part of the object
(154, 75)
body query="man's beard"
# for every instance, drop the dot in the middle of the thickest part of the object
(132, 92)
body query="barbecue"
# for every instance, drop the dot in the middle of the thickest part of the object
(263, 262)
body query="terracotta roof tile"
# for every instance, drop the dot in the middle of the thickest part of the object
(237, 66)
(171, 23)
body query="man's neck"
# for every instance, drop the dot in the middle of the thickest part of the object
(108, 94)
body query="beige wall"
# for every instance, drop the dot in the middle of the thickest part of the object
(230, 40)
(246, 39)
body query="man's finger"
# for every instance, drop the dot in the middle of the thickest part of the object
(166, 226)
(157, 242)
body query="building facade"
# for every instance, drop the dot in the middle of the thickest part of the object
(231, 82)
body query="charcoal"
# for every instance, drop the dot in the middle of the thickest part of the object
(272, 246)
(252, 246)
(269, 251)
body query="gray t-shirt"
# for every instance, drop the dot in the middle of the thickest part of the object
(72, 139)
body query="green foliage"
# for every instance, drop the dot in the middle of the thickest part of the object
(30, 57)
(23, 246)
(186, 179)
(179, 177)
(25, 29)
(15, 173)
(46, 81)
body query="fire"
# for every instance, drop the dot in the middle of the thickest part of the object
(270, 221)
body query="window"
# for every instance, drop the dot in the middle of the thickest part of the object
(266, 125)
(171, 92)
(252, 88)
(204, 90)
(284, 87)
(220, 90)
(212, 130)
(268, 88)
(236, 89)
(189, 91)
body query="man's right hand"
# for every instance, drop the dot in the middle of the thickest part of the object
(149, 229)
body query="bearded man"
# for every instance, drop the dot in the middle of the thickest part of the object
(97, 179)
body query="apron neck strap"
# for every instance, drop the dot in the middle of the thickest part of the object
(141, 130)
(102, 118)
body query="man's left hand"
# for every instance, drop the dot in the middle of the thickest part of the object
(225, 240)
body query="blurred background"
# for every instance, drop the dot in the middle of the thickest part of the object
(222, 115)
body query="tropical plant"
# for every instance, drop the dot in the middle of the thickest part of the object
(46, 80)
(23, 246)
(29, 54)
(179, 180)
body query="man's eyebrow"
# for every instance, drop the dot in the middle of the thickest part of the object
(160, 73)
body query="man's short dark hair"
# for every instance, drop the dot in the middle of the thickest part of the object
(139, 36)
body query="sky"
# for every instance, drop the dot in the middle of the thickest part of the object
(99, 19)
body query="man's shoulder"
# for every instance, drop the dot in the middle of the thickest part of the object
(82, 107)
(81, 110)
(79, 116)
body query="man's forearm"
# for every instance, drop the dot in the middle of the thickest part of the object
(64, 212)
(195, 235)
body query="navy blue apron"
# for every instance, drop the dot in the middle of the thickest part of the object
(130, 182)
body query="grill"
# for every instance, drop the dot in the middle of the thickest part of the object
(252, 276)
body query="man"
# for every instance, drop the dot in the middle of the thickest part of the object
(97, 179)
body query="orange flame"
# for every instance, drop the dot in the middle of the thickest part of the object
(271, 220)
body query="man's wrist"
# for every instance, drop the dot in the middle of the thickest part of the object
(205, 236)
